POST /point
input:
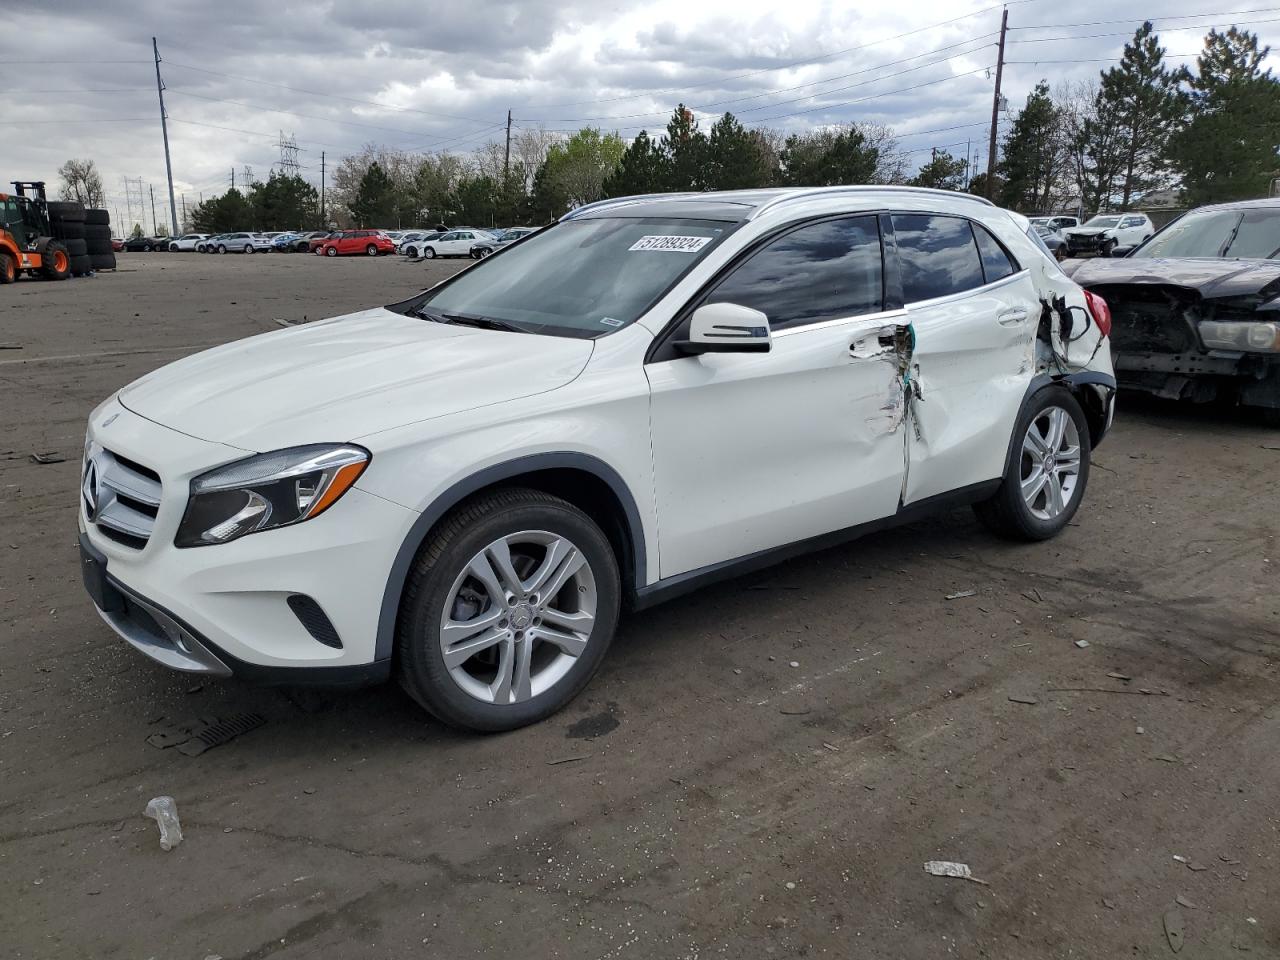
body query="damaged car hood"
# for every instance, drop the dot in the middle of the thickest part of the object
(1211, 278)
(341, 379)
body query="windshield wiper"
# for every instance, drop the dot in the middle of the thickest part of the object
(487, 323)
(426, 313)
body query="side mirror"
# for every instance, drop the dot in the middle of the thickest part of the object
(726, 328)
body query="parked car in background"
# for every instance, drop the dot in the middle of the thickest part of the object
(317, 240)
(1055, 222)
(483, 248)
(464, 489)
(367, 242)
(413, 248)
(145, 244)
(459, 243)
(1052, 241)
(284, 242)
(1196, 309)
(186, 243)
(1109, 234)
(243, 243)
(210, 244)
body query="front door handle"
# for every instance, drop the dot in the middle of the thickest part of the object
(1011, 317)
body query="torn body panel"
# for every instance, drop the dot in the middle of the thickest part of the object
(1197, 330)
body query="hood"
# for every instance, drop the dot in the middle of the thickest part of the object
(338, 380)
(1211, 278)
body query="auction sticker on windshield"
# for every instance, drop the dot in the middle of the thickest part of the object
(670, 244)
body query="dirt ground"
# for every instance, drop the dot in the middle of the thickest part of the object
(760, 770)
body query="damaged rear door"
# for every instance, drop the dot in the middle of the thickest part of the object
(754, 451)
(974, 314)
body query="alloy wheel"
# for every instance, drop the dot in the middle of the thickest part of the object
(518, 617)
(1050, 463)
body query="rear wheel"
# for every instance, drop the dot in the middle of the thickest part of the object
(248, 248)
(508, 611)
(371, 250)
(411, 253)
(1047, 473)
(8, 268)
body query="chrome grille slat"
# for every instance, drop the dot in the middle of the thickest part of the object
(121, 497)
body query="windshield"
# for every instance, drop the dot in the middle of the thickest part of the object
(580, 278)
(1249, 234)
(1103, 222)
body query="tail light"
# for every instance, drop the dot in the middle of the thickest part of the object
(1100, 312)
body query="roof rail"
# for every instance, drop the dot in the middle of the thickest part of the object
(622, 202)
(811, 192)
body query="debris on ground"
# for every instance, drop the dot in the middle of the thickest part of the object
(960, 595)
(1173, 929)
(1082, 644)
(1119, 676)
(1183, 901)
(949, 868)
(556, 763)
(1033, 595)
(193, 739)
(164, 811)
(1019, 698)
(50, 457)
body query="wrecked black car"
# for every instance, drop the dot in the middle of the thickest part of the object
(1196, 309)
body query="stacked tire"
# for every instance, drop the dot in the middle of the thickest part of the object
(97, 234)
(67, 221)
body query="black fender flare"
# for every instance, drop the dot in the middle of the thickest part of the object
(1075, 382)
(394, 589)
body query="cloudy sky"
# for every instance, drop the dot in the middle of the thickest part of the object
(441, 76)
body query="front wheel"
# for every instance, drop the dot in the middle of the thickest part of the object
(429, 253)
(479, 253)
(1109, 248)
(508, 611)
(330, 251)
(222, 248)
(1046, 477)
(8, 268)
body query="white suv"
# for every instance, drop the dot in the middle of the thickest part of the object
(187, 242)
(1108, 234)
(465, 488)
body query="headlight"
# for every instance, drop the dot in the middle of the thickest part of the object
(1251, 336)
(268, 491)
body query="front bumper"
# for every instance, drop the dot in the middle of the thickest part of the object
(1085, 244)
(232, 609)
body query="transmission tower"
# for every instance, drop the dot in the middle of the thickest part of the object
(135, 200)
(289, 165)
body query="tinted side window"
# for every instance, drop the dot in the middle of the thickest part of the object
(937, 254)
(996, 264)
(823, 271)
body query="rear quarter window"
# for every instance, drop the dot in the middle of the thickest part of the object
(937, 254)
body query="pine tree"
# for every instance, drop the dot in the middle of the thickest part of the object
(1228, 149)
(1142, 96)
(1034, 158)
(374, 204)
(645, 168)
(686, 150)
(942, 172)
(736, 157)
(829, 158)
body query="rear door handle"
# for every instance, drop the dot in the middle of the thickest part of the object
(1010, 317)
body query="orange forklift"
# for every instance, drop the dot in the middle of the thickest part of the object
(26, 236)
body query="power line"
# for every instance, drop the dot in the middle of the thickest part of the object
(1157, 19)
(293, 113)
(886, 93)
(1102, 36)
(85, 120)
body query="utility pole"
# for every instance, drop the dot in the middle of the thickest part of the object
(155, 227)
(233, 178)
(322, 219)
(164, 129)
(995, 109)
(506, 163)
(184, 212)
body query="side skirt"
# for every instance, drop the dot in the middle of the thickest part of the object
(683, 583)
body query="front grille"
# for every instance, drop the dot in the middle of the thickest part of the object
(121, 497)
(1148, 320)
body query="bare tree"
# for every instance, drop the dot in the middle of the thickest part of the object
(530, 146)
(81, 182)
(892, 165)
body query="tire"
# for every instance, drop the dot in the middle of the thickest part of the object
(173, 248)
(222, 248)
(56, 261)
(81, 265)
(8, 268)
(429, 253)
(330, 251)
(1109, 248)
(248, 248)
(68, 229)
(99, 218)
(1008, 513)
(103, 261)
(95, 231)
(147, 248)
(77, 248)
(371, 250)
(440, 581)
(411, 253)
(66, 210)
